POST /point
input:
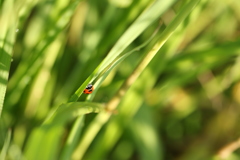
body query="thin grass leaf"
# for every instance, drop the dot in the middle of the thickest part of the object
(6, 145)
(144, 134)
(72, 140)
(7, 37)
(142, 22)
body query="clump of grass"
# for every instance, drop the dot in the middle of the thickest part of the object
(155, 86)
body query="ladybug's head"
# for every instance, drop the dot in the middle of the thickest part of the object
(89, 86)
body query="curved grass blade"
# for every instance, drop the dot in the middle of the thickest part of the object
(142, 22)
(121, 57)
(71, 110)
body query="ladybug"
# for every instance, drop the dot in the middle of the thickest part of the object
(89, 89)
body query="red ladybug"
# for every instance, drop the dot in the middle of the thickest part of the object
(89, 89)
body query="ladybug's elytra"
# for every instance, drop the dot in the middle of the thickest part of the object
(88, 89)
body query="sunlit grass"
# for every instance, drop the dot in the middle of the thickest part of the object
(165, 75)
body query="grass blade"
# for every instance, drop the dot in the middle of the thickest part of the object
(7, 36)
(6, 145)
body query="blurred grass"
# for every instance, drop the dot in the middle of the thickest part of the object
(7, 36)
(5, 147)
(184, 105)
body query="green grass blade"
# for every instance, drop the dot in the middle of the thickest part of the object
(44, 143)
(71, 110)
(144, 134)
(6, 145)
(72, 140)
(7, 36)
(142, 22)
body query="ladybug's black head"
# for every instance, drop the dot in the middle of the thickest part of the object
(89, 86)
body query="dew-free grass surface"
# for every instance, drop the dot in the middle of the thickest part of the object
(165, 75)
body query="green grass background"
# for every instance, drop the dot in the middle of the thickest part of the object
(168, 70)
